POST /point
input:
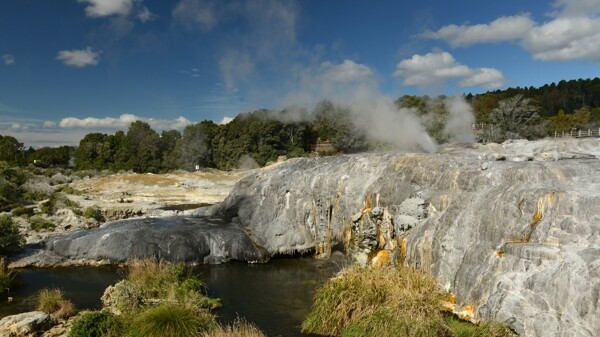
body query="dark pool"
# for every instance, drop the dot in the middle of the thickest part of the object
(275, 296)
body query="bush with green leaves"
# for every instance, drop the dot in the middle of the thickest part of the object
(97, 324)
(10, 237)
(6, 276)
(38, 188)
(20, 211)
(56, 202)
(37, 223)
(93, 213)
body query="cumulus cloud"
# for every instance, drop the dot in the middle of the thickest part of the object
(508, 28)
(571, 33)
(100, 8)
(79, 58)
(49, 124)
(122, 122)
(434, 69)
(225, 120)
(8, 59)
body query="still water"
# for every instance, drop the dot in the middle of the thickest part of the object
(275, 296)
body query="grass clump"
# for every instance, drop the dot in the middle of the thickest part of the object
(97, 324)
(388, 302)
(56, 202)
(151, 282)
(378, 302)
(38, 223)
(26, 211)
(172, 320)
(239, 328)
(52, 302)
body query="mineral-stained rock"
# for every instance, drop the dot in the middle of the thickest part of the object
(518, 240)
(28, 324)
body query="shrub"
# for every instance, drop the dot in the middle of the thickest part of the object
(70, 190)
(27, 211)
(172, 320)
(10, 237)
(153, 281)
(97, 324)
(6, 276)
(52, 301)
(378, 302)
(38, 223)
(57, 201)
(484, 329)
(93, 213)
(38, 188)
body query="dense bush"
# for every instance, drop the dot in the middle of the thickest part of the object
(27, 211)
(97, 324)
(56, 202)
(10, 237)
(93, 213)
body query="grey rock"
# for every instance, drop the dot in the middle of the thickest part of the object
(190, 240)
(28, 324)
(520, 240)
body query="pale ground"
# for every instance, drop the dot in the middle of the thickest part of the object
(148, 192)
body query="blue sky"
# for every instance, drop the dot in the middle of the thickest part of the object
(71, 67)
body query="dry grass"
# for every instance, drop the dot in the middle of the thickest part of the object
(171, 320)
(239, 328)
(378, 302)
(52, 301)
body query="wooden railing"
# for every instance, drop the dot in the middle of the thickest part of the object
(578, 133)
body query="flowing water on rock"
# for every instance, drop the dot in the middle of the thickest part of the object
(275, 296)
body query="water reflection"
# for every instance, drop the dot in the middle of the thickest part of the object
(275, 296)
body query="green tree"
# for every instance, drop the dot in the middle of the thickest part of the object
(10, 237)
(170, 143)
(197, 145)
(88, 154)
(335, 124)
(516, 117)
(143, 146)
(11, 150)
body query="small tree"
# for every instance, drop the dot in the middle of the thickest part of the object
(515, 117)
(10, 237)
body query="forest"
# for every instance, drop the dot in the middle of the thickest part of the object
(259, 137)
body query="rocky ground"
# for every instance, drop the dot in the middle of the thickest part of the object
(123, 196)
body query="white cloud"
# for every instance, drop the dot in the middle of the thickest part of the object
(571, 33)
(100, 8)
(488, 78)
(122, 122)
(196, 12)
(8, 59)
(79, 58)
(565, 38)
(576, 7)
(508, 28)
(49, 124)
(434, 69)
(145, 15)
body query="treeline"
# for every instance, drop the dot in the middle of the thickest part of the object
(564, 97)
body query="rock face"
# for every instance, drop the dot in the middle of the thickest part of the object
(29, 324)
(178, 239)
(511, 229)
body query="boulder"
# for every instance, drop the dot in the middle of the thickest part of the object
(28, 324)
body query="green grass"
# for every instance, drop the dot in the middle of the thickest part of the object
(239, 328)
(172, 320)
(387, 302)
(93, 213)
(6, 276)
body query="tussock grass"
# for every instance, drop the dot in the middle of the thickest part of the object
(239, 328)
(172, 320)
(387, 302)
(377, 302)
(52, 301)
